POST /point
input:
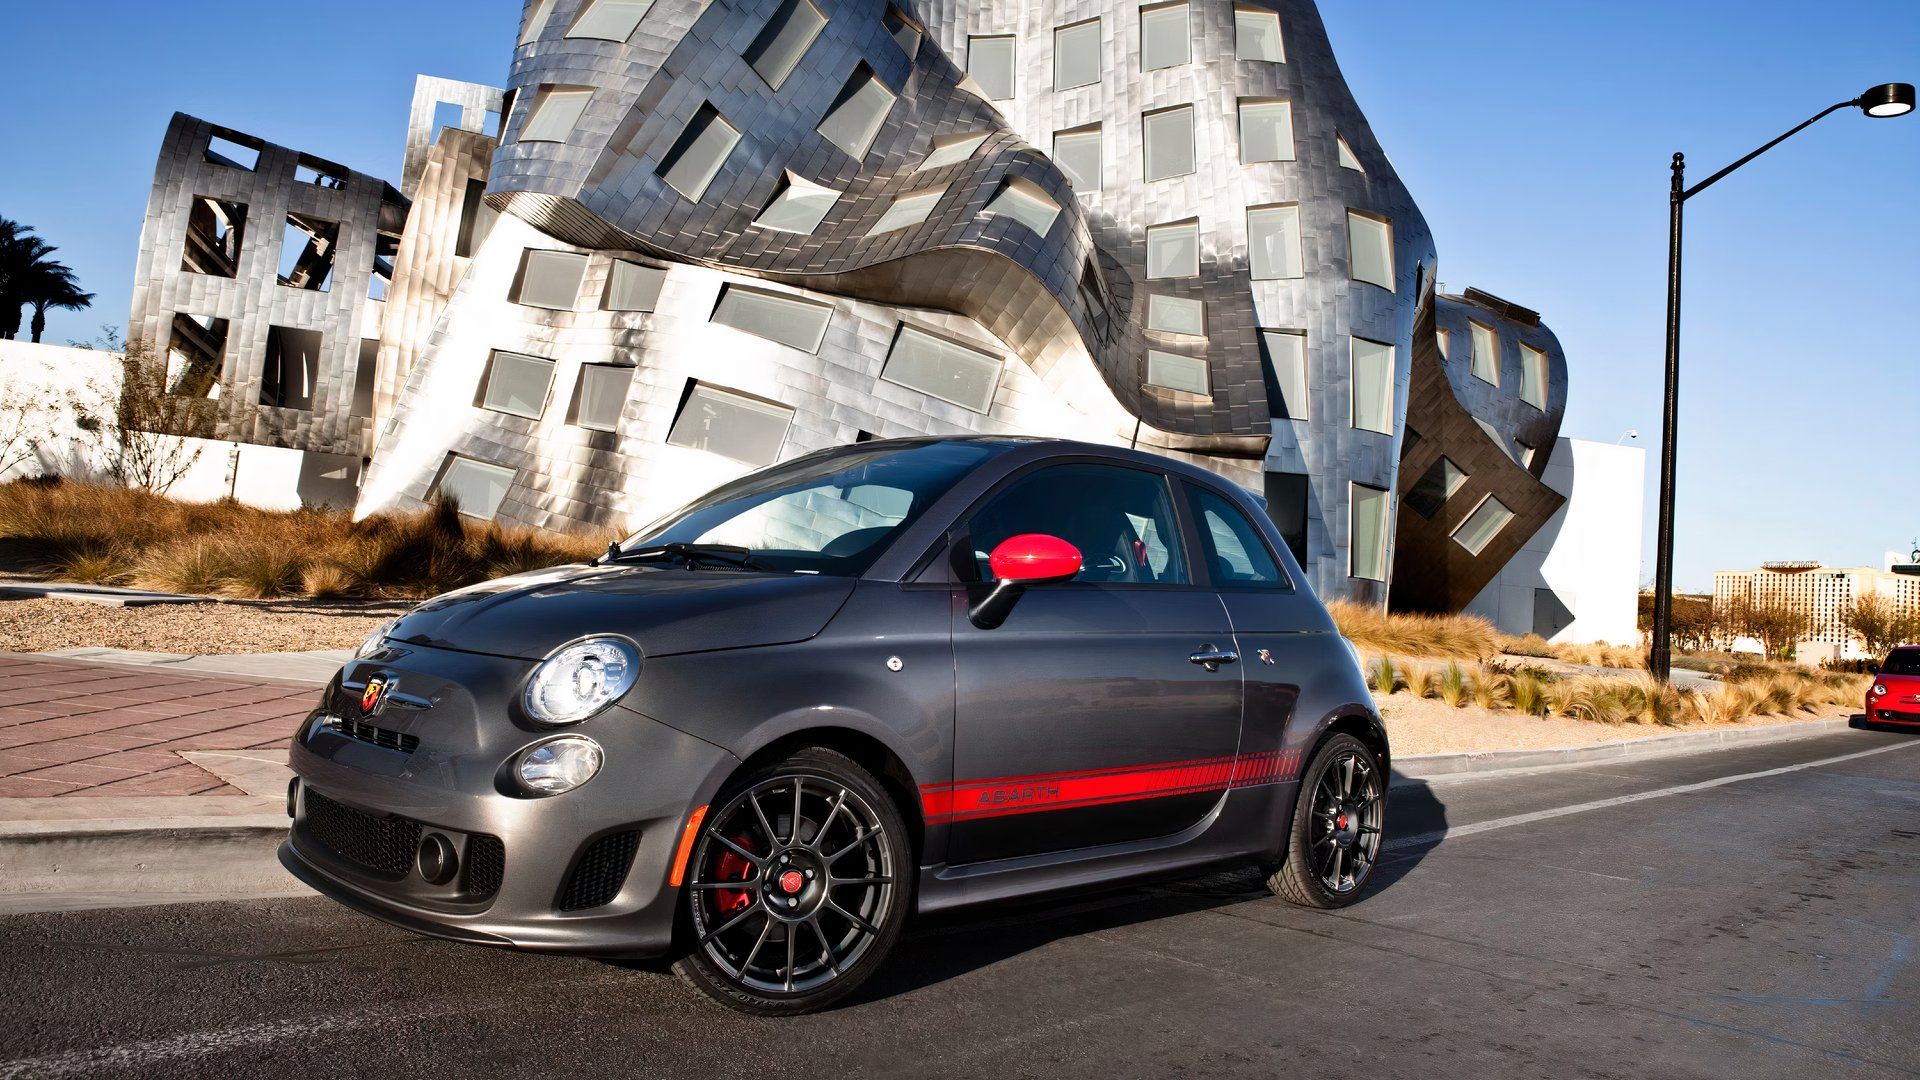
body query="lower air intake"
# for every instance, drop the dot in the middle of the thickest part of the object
(600, 871)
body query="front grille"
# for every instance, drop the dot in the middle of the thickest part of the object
(599, 871)
(378, 736)
(386, 844)
(486, 863)
(1892, 717)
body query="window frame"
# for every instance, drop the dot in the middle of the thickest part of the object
(1093, 133)
(587, 9)
(1193, 489)
(577, 414)
(542, 99)
(684, 142)
(694, 386)
(904, 328)
(1534, 360)
(1453, 534)
(1099, 68)
(849, 93)
(1493, 350)
(1206, 373)
(1291, 150)
(1354, 341)
(791, 8)
(1279, 34)
(527, 259)
(1166, 228)
(480, 399)
(1146, 140)
(732, 287)
(1013, 65)
(1386, 531)
(1299, 262)
(1186, 19)
(446, 466)
(1353, 261)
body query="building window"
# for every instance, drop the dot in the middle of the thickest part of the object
(1076, 55)
(1176, 315)
(907, 210)
(477, 487)
(696, 157)
(784, 40)
(215, 228)
(517, 384)
(1172, 371)
(386, 247)
(1482, 525)
(1168, 135)
(903, 30)
(855, 119)
(292, 364)
(1173, 251)
(1165, 38)
(731, 424)
(602, 396)
(1486, 353)
(779, 317)
(798, 207)
(549, 279)
(1533, 377)
(633, 286)
(608, 20)
(1445, 342)
(196, 355)
(1287, 359)
(365, 371)
(1256, 35)
(1372, 386)
(948, 370)
(1523, 454)
(1370, 248)
(1367, 552)
(1347, 160)
(952, 148)
(1077, 153)
(990, 65)
(1026, 203)
(476, 220)
(1287, 506)
(227, 148)
(1273, 242)
(537, 21)
(1494, 436)
(307, 247)
(1436, 486)
(320, 174)
(1266, 131)
(555, 112)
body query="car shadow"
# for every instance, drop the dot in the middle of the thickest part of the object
(945, 946)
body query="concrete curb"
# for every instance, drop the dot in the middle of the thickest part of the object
(231, 857)
(1422, 767)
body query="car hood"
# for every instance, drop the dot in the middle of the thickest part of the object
(665, 610)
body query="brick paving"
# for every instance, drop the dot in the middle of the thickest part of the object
(70, 728)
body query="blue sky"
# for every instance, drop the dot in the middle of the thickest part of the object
(1534, 135)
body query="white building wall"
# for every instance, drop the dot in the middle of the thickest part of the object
(1578, 579)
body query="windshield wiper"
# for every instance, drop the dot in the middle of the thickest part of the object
(730, 554)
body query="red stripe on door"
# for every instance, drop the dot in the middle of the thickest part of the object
(973, 799)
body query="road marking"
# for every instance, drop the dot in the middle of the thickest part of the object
(1462, 831)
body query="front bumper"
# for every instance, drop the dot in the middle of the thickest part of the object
(585, 871)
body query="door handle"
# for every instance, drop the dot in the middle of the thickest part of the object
(1211, 657)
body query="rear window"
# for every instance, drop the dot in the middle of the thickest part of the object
(1902, 662)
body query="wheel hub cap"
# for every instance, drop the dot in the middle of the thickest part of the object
(791, 881)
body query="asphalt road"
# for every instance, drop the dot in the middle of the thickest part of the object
(1749, 913)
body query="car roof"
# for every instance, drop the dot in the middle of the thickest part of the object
(1035, 447)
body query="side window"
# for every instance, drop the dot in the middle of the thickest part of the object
(1121, 520)
(1234, 549)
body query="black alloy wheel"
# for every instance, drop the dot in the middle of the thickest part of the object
(798, 886)
(1334, 842)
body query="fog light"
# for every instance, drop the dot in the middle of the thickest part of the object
(437, 860)
(559, 765)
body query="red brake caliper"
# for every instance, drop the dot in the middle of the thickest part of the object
(731, 867)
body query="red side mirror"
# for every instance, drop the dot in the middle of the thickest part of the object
(1034, 559)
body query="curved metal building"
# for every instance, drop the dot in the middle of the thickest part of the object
(713, 236)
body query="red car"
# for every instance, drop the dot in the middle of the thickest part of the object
(1894, 697)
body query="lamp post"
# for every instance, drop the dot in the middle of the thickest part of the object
(1891, 99)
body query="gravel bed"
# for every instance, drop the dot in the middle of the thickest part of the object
(1431, 726)
(226, 627)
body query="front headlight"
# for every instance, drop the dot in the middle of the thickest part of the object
(581, 679)
(375, 639)
(559, 765)
(1879, 690)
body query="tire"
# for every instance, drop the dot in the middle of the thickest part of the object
(788, 912)
(1333, 841)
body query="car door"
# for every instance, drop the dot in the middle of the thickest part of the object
(1083, 719)
(1270, 619)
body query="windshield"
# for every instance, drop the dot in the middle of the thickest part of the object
(832, 515)
(1902, 662)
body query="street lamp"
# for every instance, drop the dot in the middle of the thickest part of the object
(1887, 100)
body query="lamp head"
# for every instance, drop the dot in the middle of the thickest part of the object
(1891, 99)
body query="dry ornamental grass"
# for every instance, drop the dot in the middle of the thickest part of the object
(126, 536)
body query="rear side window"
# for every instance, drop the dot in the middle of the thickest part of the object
(1120, 519)
(1902, 662)
(1231, 544)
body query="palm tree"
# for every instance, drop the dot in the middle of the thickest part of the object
(29, 276)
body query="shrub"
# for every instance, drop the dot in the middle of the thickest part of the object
(1460, 637)
(1381, 675)
(1530, 645)
(91, 565)
(1866, 665)
(1453, 686)
(325, 581)
(1492, 688)
(1528, 693)
(1423, 680)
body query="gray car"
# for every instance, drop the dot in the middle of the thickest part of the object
(888, 678)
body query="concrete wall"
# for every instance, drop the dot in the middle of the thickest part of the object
(1578, 579)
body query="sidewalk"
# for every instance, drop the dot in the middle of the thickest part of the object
(77, 729)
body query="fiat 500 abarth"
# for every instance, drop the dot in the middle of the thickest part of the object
(1894, 697)
(883, 679)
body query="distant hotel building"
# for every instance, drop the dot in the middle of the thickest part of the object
(1823, 592)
